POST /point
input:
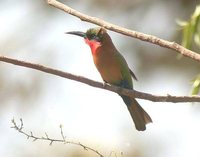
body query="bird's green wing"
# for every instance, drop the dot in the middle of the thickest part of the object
(126, 74)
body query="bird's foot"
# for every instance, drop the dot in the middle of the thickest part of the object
(105, 84)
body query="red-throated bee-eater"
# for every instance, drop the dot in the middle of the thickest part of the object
(114, 70)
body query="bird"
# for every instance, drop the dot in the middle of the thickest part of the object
(114, 70)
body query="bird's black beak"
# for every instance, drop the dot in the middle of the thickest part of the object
(78, 33)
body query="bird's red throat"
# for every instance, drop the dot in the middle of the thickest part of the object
(94, 45)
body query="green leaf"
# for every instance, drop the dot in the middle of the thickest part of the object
(187, 35)
(181, 23)
(197, 39)
(196, 85)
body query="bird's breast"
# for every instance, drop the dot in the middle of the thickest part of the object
(108, 66)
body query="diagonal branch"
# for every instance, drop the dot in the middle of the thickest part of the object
(51, 140)
(138, 35)
(122, 91)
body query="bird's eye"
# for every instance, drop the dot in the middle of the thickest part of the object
(93, 36)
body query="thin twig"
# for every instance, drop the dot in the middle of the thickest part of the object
(138, 35)
(63, 140)
(116, 89)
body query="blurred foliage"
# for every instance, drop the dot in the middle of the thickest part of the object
(191, 29)
(191, 34)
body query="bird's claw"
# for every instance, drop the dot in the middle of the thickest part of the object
(105, 84)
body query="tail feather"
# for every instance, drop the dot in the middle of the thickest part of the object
(139, 115)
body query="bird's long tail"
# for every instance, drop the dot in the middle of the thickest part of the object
(139, 115)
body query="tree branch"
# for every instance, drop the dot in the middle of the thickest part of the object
(63, 140)
(116, 89)
(138, 35)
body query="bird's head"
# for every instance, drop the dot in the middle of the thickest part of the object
(94, 37)
(95, 34)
